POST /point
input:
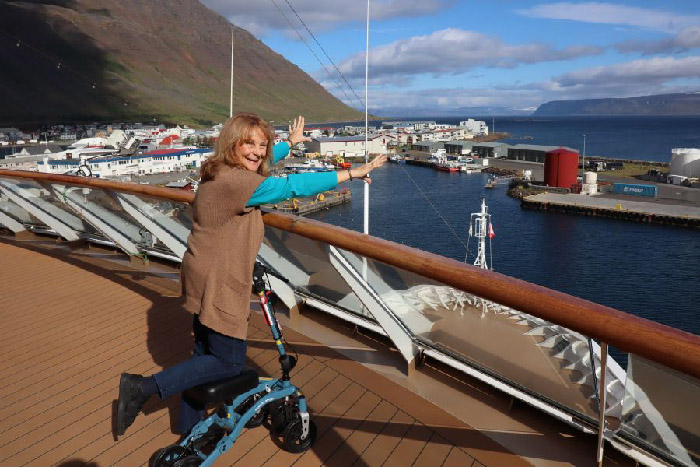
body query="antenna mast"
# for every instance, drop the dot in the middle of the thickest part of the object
(230, 107)
(366, 192)
(478, 228)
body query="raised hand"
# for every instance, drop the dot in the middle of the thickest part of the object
(364, 170)
(296, 131)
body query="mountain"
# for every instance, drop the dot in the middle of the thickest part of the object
(457, 112)
(138, 60)
(662, 104)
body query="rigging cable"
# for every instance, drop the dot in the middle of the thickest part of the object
(59, 65)
(326, 54)
(436, 209)
(330, 75)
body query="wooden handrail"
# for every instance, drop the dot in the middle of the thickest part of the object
(90, 182)
(668, 346)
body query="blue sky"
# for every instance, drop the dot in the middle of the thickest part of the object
(518, 54)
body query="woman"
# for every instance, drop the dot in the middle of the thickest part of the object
(217, 268)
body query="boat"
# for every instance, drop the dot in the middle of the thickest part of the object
(440, 162)
(340, 163)
(469, 168)
(397, 159)
(447, 166)
(309, 165)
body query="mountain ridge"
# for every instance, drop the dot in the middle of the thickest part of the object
(660, 104)
(84, 60)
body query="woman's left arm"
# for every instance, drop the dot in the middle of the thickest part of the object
(276, 189)
(280, 151)
(296, 136)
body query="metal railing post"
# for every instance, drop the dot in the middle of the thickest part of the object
(601, 399)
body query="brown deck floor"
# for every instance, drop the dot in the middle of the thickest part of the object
(72, 322)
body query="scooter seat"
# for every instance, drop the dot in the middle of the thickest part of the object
(216, 392)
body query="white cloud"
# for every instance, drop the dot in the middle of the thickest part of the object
(642, 77)
(611, 13)
(261, 16)
(686, 39)
(453, 51)
(652, 71)
(451, 98)
(527, 96)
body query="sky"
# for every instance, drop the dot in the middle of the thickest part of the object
(511, 54)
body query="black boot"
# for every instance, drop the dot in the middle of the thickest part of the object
(131, 399)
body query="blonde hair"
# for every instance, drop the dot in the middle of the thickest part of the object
(236, 132)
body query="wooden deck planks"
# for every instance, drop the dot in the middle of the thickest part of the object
(58, 382)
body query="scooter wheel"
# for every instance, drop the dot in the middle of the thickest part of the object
(257, 419)
(278, 418)
(292, 440)
(169, 455)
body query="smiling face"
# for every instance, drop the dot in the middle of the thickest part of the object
(251, 151)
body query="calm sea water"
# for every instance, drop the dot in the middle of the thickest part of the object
(648, 270)
(643, 138)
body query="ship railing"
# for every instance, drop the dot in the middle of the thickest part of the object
(538, 345)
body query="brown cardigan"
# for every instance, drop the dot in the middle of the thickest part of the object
(217, 269)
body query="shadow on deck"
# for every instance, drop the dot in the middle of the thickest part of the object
(74, 320)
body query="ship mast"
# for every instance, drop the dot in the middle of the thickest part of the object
(479, 229)
(230, 105)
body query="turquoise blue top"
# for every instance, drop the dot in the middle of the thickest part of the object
(276, 189)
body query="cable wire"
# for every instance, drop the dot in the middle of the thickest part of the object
(436, 210)
(326, 54)
(59, 65)
(330, 75)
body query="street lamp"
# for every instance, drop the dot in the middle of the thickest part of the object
(583, 158)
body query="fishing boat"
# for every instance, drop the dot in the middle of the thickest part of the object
(309, 165)
(447, 166)
(397, 159)
(441, 163)
(340, 163)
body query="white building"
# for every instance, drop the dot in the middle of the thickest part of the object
(160, 161)
(475, 127)
(350, 145)
(685, 162)
(446, 134)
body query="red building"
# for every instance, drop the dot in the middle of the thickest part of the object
(561, 168)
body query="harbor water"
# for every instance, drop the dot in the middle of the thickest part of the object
(643, 138)
(651, 271)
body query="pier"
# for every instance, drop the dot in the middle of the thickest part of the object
(615, 207)
(303, 206)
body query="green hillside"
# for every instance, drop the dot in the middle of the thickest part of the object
(136, 60)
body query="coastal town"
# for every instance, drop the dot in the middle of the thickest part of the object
(541, 176)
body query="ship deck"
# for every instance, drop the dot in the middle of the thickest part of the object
(75, 318)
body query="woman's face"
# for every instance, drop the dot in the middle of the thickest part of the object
(252, 151)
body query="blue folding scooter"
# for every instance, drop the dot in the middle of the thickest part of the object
(245, 400)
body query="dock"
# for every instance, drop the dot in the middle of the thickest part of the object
(616, 208)
(303, 206)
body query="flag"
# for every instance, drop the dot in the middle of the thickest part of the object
(491, 234)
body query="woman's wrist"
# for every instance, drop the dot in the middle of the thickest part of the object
(350, 174)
